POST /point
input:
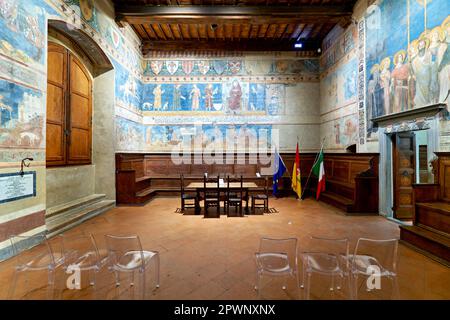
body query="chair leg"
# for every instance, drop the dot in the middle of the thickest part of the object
(258, 285)
(395, 290)
(143, 283)
(297, 285)
(308, 286)
(12, 288)
(157, 269)
(51, 284)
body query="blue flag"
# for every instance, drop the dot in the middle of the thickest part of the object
(279, 170)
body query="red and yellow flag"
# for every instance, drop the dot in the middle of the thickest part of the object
(296, 177)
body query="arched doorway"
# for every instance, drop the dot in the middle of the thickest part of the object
(80, 121)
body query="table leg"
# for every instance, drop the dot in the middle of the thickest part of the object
(246, 202)
(197, 205)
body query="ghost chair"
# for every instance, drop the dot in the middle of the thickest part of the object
(32, 254)
(81, 254)
(125, 255)
(325, 257)
(372, 260)
(277, 258)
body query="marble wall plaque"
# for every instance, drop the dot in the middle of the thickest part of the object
(13, 186)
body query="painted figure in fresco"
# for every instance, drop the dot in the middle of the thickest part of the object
(257, 97)
(375, 99)
(422, 68)
(437, 50)
(209, 95)
(33, 33)
(412, 53)
(235, 95)
(350, 131)
(337, 133)
(157, 93)
(177, 96)
(4, 107)
(385, 79)
(399, 82)
(274, 102)
(444, 66)
(195, 97)
(9, 11)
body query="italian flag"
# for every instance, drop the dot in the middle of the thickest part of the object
(319, 171)
(296, 178)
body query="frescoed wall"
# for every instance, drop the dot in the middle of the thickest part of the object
(407, 56)
(23, 68)
(338, 90)
(254, 91)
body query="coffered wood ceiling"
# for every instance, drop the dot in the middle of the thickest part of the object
(238, 25)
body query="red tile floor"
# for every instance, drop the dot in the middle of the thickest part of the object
(214, 258)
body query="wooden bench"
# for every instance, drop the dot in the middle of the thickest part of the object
(351, 182)
(140, 177)
(430, 232)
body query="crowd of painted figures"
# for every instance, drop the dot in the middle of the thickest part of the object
(412, 79)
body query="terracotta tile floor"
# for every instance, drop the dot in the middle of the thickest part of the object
(213, 258)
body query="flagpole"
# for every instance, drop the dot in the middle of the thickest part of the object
(310, 171)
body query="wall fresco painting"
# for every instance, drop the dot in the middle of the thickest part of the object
(204, 137)
(21, 118)
(407, 57)
(182, 97)
(22, 31)
(229, 67)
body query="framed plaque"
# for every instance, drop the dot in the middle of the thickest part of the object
(14, 186)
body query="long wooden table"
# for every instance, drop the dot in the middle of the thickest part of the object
(246, 186)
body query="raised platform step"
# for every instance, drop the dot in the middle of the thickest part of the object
(337, 200)
(429, 243)
(64, 221)
(76, 204)
(434, 216)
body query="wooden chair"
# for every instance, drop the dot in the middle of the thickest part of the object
(234, 196)
(211, 197)
(187, 198)
(261, 200)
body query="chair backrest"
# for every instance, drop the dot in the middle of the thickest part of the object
(266, 185)
(234, 179)
(384, 251)
(287, 246)
(125, 252)
(80, 249)
(32, 252)
(208, 191)
(337, 247)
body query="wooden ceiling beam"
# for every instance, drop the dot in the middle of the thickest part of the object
(227, 45)
(134, 14)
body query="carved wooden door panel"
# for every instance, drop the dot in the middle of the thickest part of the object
(404, 174)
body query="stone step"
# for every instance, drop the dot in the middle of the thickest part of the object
(76, 204)
(64, 221)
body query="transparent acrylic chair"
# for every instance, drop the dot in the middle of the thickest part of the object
(376, 258)
(81, 253)
(277, 257)
(33, 253)
(326, 257)
(125, 254)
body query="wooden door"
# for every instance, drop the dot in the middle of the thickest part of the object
(79, 123)
(69, 109)
(56, 101)
(404, 174)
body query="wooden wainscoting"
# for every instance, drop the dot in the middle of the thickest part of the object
(352, 179)
(430, 232)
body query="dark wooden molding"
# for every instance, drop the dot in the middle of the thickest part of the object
(194, 14)
(426, 111)
(309, 47)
